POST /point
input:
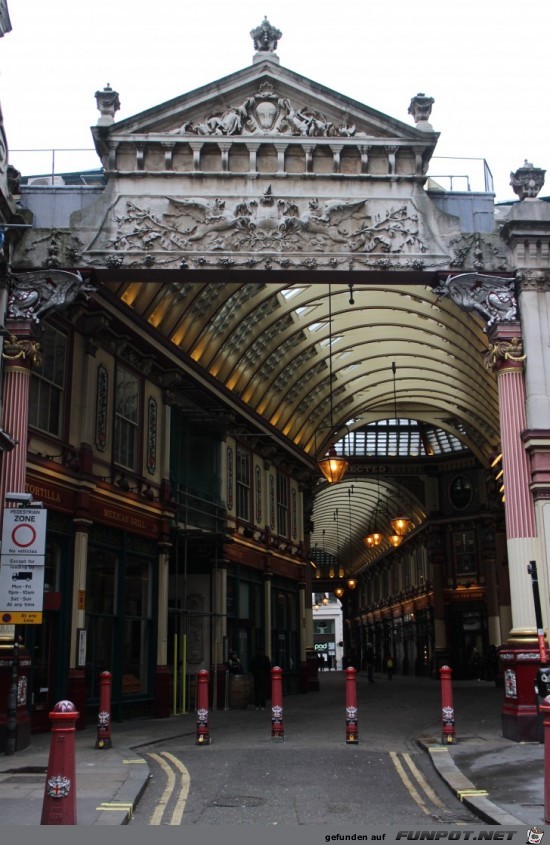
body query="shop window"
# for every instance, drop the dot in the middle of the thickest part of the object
(126, 419)
(282, 505)
(243, 484)
(137, 623)
(48, 381)
(465, 552)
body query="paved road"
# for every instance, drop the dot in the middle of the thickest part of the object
(244, 777)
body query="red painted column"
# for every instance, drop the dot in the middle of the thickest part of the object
(20, 352)
(352, 729)
(59, 806)
(203, 734)
(519, 656)
(447, 706)
(277, 726)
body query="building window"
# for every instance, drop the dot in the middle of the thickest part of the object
(460, 492)
(243, 484)
(47, 388)
(465, 552)
(282, 505)
(126, 419)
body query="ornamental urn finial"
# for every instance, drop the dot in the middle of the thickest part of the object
(108, 103)
(421, 108)
(265, 37)
(527, 181)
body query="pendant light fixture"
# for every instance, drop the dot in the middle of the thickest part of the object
(332, 466)
(400, 523)
(374, 538)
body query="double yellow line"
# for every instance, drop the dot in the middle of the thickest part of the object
(177, 782)
(421, 792)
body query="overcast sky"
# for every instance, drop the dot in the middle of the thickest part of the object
(485, 62)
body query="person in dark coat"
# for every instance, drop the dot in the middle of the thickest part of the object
(260, 667)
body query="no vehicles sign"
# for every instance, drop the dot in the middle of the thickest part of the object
(24, 532)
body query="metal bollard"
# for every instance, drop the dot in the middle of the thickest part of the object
(352, 730)
(545, 710)
(203, 734)
(104, 716)
(277, 727)
(59, 806)
(447, 708)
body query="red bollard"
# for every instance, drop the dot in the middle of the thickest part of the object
(352, 730)
(545, 710)
(59, 806)
(203, 735)
(277, 728)
(447, 709)
(104, 716)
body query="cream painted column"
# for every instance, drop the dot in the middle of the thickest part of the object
(303, 626)
(220, 609)
(267, 613)
(162, 607)
(506, 358)
(78, 606)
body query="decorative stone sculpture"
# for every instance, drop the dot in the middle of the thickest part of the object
(421, 108)
(108, 104)
(267, 113)
(527, 181)
(492, 297)
(265, 37)
(34, 293)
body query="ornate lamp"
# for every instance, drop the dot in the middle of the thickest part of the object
(352, 583)
(395, 540)
(332, 466)
(338, 592)
(400, 524)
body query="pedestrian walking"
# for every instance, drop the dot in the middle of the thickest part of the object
(260, 667)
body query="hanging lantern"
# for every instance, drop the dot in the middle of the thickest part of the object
(333, 467)
(395, 540)
(338, 592)
(324, 600)
(352, 583)
(401, 524)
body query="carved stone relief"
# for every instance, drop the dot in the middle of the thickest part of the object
(203, 231)
(267, 113)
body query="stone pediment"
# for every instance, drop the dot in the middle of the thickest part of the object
(264, 101)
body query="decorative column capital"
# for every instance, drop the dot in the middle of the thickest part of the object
(505, 355)
(23, 350)
(533, 280)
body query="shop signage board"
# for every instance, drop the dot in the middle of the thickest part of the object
(22, 567)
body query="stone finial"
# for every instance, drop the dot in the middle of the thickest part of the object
(265, 37)
(527, 181)
(421, 108)
(107, 103)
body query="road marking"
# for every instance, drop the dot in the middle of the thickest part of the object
(422, 782)
(109, 805)
(407, 782)
(156, 818)
(185, 780)
(170, 765)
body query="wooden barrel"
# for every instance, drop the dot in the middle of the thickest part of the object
(239, 691)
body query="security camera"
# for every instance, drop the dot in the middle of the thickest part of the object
(19, 497)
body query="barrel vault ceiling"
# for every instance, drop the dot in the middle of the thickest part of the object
(280, 347)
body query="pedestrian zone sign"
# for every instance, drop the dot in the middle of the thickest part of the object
(22, 562)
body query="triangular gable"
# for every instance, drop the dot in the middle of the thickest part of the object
(262, 100)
